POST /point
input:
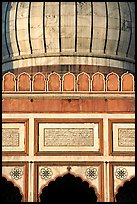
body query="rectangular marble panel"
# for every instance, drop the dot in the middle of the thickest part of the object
(123, 137)
(13, 136)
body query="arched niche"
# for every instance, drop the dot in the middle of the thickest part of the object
(98, 82)
(24, 82)
(112, 82)
(68, 188)
(54, 82)
(39, 82)
(127, 191)
(127, 82)
(68, 82)
(9, 191)
(83, 82)
(9, 82)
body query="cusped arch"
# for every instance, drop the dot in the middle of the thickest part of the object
(126, 192)
(54, 82)
(112, 82)
(68, 82)
(69, 186)
(24, 82)
(83, 82)
(127, 82)
(38, 82)
(9, 82)
(98, 82)
(10, 191)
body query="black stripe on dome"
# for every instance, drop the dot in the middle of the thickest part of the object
(44, 36)
(130, 38)
(91, 39)
(75, 26)
(60, 26)
(6, 28)
(119, 28)
(29, 27)
(106, 27)
(16, 36)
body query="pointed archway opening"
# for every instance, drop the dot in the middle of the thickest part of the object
(9, 192)
(127, 192)
(68, 189)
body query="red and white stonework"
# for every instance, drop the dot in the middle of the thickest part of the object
(68, 96)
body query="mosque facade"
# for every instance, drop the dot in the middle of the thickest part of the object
(68, 99)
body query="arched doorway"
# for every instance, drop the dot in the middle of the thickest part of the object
(127, 192)
(68, 189)
(9, 192)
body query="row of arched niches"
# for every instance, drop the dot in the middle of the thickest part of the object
(68, 82)
(68, 188)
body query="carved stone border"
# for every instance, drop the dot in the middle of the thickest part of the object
(69, 120)
(110, 133)
(26, 137)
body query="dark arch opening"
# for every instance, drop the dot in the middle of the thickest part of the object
(68, 189)
(9, 192)
(127, 192)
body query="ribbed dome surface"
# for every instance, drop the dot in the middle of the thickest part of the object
(100, 29)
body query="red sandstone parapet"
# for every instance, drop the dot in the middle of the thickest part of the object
(69, 82)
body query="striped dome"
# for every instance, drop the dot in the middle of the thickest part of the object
(53, 30)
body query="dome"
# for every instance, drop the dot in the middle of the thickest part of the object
(46, 33)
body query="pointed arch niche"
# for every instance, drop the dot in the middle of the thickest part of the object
(127, 82)
(10, 192)
(54, 82)
(68, 188)
(9, 82)
(127, 191)
(112, 82)
(24, 82)
(68, 82)
(39, 82)
(98, 82)
(83, 82)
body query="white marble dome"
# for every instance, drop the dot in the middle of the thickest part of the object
(68, 32)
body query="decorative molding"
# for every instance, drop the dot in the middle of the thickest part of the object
(17, 132)
(92, 128)
(68, 82)
(120, 143)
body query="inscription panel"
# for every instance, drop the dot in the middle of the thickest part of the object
(126, 137)
(68, 137)
(10, 137)
(13, 136)
(123, 137)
